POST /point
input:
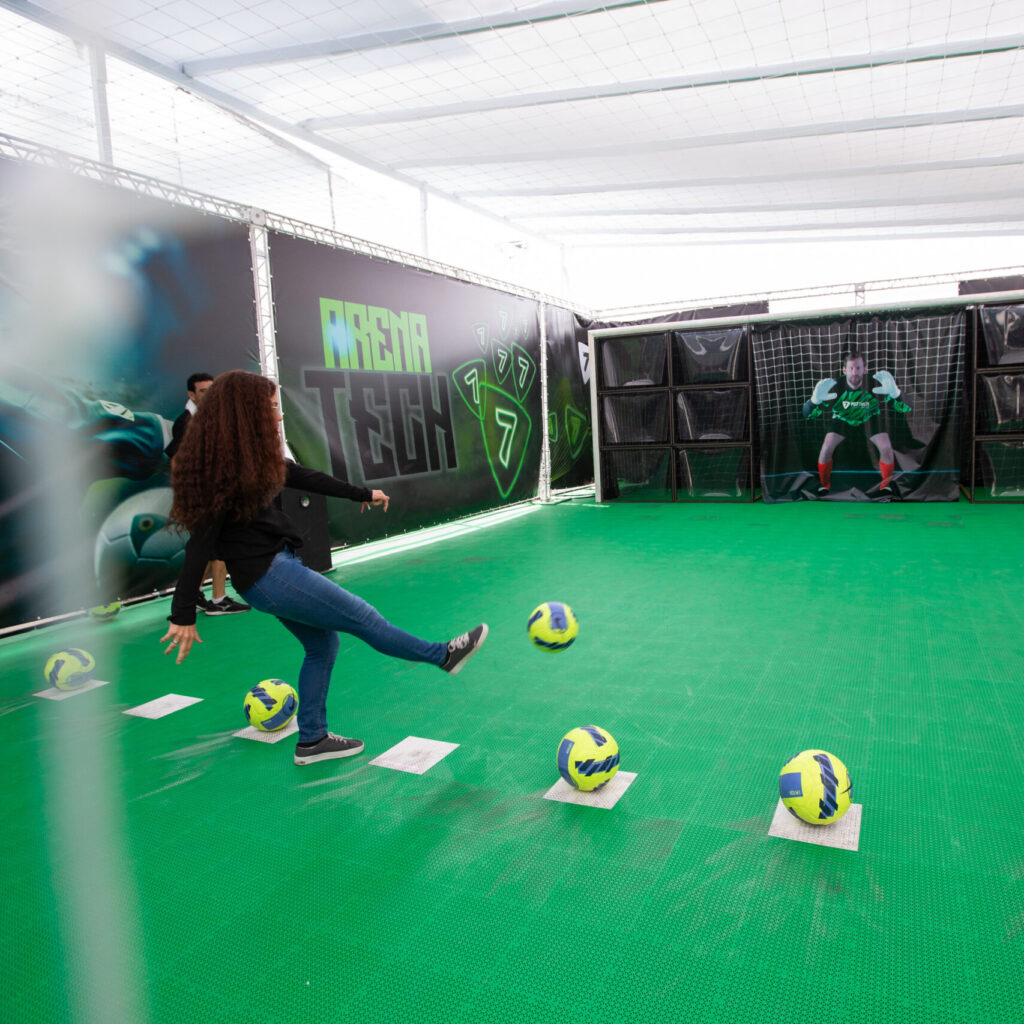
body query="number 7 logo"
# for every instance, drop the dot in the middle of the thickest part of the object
(508, 421)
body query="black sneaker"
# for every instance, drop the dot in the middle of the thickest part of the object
(225, 607)
(823, 492)
(462, 648)
(327, 749)
(202, 602)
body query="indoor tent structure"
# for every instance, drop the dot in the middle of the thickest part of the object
(686, 338)
(617, 154)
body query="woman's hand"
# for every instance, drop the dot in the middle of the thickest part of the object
(181, 639)
(379, 498)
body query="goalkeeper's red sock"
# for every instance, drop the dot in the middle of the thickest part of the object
(825, 473)
(886, 469)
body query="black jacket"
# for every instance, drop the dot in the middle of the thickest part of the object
(177, 433)
(249, 548)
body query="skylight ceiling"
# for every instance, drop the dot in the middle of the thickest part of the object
(625, 123)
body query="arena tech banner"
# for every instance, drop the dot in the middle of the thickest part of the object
(861, 408)
(395, 378)
(108, 301)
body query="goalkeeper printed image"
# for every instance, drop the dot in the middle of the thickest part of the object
(850, 407)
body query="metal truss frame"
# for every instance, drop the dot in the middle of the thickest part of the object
(260, 224)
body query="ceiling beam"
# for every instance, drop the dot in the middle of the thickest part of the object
(704, 209)
(762, 229)
(390, 38)
(873, 124)
(602, 188)
(979, 232)
(795, 69)
(258, 119)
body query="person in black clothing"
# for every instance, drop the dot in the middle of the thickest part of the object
(227, 479)
(220, 604)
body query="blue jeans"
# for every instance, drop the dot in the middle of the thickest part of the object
(314, 610)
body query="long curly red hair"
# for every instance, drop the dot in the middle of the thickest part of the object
(230, 461)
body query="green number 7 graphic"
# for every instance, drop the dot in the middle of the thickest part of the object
(508, 421)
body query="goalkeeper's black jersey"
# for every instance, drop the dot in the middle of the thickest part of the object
(855, 406)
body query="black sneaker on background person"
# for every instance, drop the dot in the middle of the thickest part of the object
(823, 492)
(462, 648)
(327, 748)
(225, 606)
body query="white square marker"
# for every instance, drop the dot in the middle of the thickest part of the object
(843, 834)
(414, 755)
(252, 733)
(166, 705)
(54, 694)
(606, 797)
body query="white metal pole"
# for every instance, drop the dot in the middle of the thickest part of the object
(544, 483)
(98, 65)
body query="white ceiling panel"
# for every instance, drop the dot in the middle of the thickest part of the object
(570, 120)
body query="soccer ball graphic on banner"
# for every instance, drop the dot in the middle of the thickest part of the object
(134, 550)
(588, 757)
(104, 612)
(70, 669)
(552, 626)
(815, 786)
(271, 705)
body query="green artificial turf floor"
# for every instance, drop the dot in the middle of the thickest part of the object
(166, 871)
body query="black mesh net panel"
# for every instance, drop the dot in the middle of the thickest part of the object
(637, 474)
(709, 357)
(712, 414)
(1002, 333)
(999, 470)
(1001, 404)
(636, 361)
(705, 473)
(635, 419)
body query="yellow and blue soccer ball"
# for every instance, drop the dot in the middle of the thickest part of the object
(70, 669)
(271, 705)
(588, 757)
(815, 786)
(104, 612)
(552, 626)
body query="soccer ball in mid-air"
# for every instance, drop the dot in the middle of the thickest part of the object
(271, 705)
(70, 669)
(552, 626)
(815, 786)
(588, 757)
(135, 552)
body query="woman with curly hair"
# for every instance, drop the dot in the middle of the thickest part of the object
(227, 476)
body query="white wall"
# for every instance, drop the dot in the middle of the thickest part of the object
(606, 278)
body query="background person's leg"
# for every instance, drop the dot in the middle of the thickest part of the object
(221, 604)
(219, 572)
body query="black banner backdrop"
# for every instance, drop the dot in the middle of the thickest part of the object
(400, 379)
(569, 427)
(906, 392)
(108, 301)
